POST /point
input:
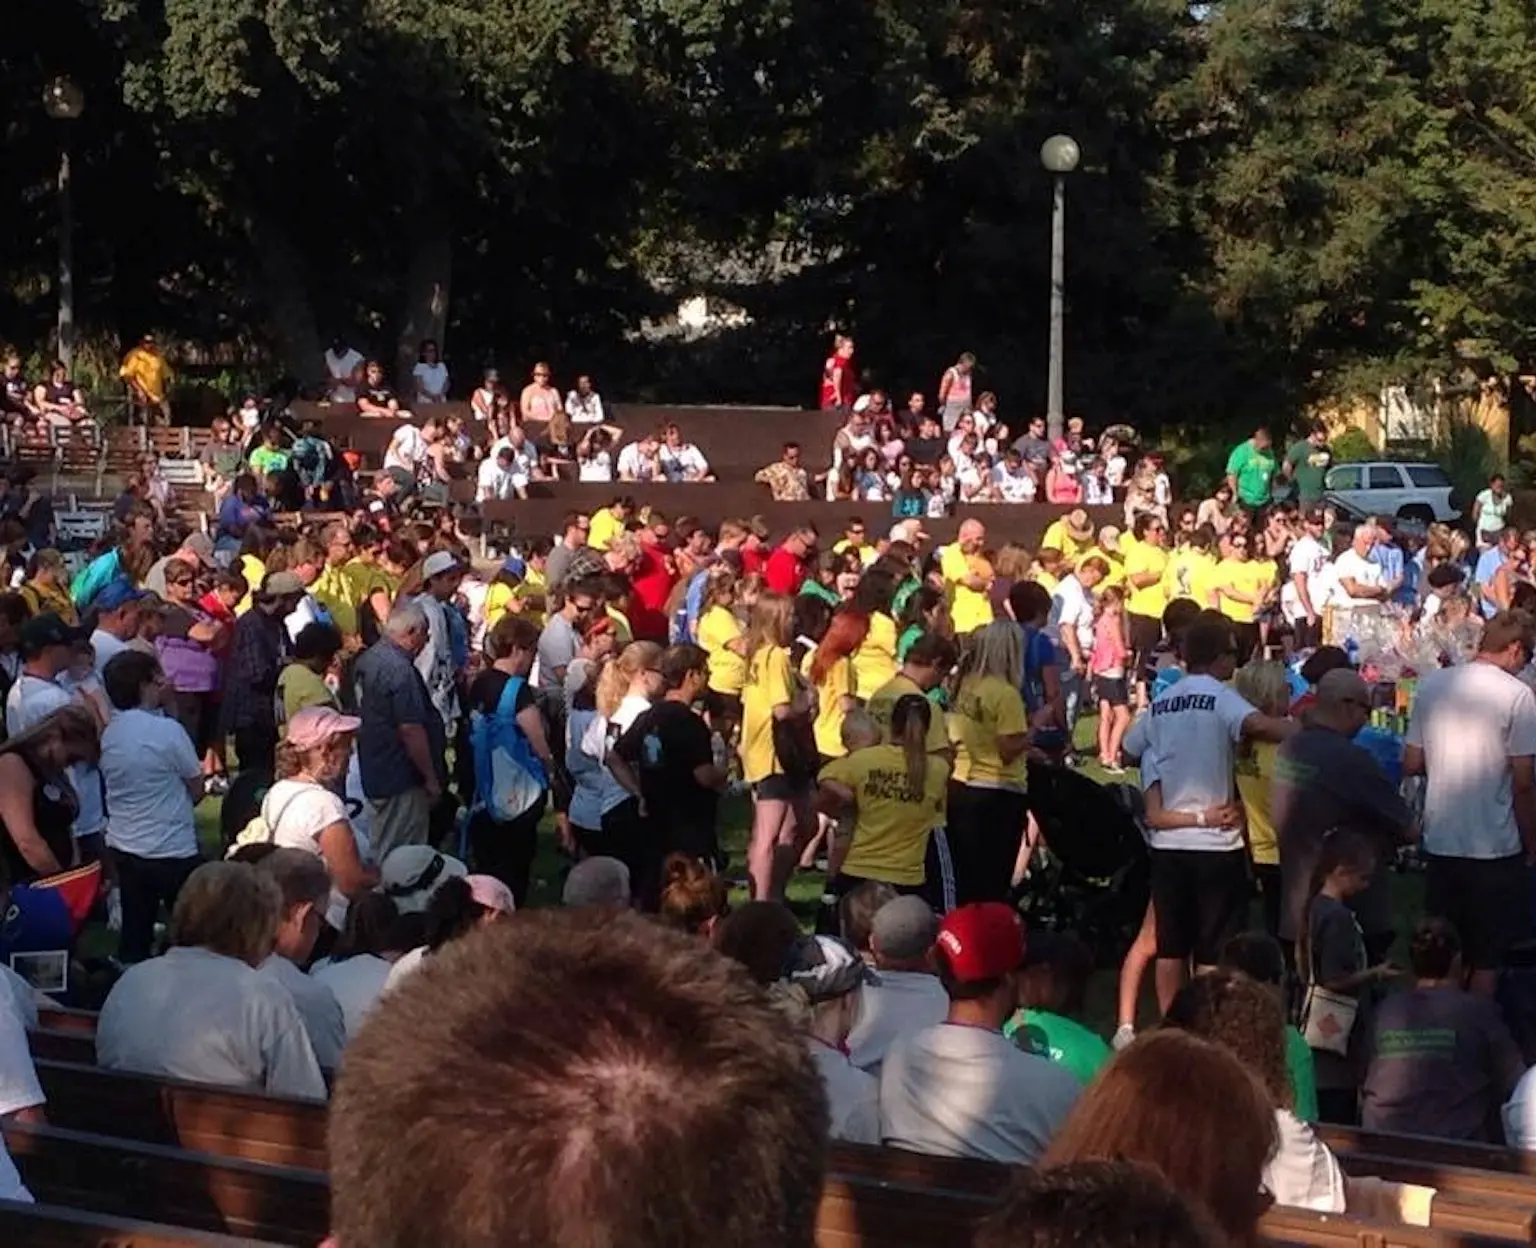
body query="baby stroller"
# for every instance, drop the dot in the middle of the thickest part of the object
(1092, 876)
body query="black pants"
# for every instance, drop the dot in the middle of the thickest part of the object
(146, 884)
(632, 839)
(1308, 636)
(985, 827)
(1340, 1105)
(506, 850)
(256, 748)
(1267, 876)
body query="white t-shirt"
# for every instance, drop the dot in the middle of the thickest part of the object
(595, 467)
(297, 812)
(21, 995)
(195, 1014)
(1114, 471)
(1308, 559)
(302, 616)
(1492, 511)
(107, 647)
(853, 1097)
(1189, 734)
(678, 462)
(339, 367)
(19, 1088)
(1361, 571)
(405, 966)
(903, 1001)
(357, 984)
(1071, 607)
(492, 481)
(407, 449)
(968, 1092)
(1303, 1173)
(1470, 721)
(31, 699)
(633, 464)
(323, 1020)
(584, 412)
(431, 379)
(146, 760)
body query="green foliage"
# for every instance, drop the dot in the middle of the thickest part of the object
(1467, 456)
(1352, 446)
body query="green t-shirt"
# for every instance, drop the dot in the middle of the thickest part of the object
(1253, 470)
(269, 459)
(1308, 465)
(904, 591)
(1065, 1041)
(815, 589)
(1298, 1061)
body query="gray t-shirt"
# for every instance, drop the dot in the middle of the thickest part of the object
(557, 564)
(1337, 951)
(390, 693)
(559, 644)
(1442, 1064)
(1324, 781)
(1033, 450)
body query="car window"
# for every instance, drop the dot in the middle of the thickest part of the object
(1346, 477)
(1384, 477)
(1429, 476)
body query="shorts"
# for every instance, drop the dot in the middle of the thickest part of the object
(1487, 900)
(779, 788)
(723, 709)
(1200, 898)
(1111, 689)
(198, 713)
(1146, 634)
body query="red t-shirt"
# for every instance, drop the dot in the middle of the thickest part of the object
(650, 586)
(784, 572)
(843, 393)
(752, 560)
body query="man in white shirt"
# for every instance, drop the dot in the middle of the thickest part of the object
(1014, 482)
(907, 995)
(1360, 582)
(1303, 605)
(1187, 740)
(344, 367)
(638, 460)
(829, 973)
(681, 461)
(1473, 738)
(306, 888)
(961, 1088)
(583, 404)
(493, 479)
(118, 607)
(407, 450)
(1070, 626)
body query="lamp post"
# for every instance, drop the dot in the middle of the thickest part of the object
(64, 101)
(1059, 154)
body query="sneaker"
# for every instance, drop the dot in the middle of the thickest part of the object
(216, 786)
(1124, 1034)
(114, 909)
(1113, 769)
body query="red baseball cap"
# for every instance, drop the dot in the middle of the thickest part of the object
(984, 940)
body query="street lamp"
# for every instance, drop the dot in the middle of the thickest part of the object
(64, 101)
(1059, 154)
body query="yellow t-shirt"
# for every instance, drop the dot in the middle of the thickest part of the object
(1204, 581)
(727, 669)
(986, 708)
(336, 591)
(1247, 578)
(1255, 776)
(1149, 600)
(884, 702)
(1057, 538)
(891, 821)
(622, 632)
(254, 571)
(769, 684)
(40, 599)
(1180, 573)
(837, 685)
(535, 585)
(1046, 581)
(874, 662)
(1116, 565)
(969, 609)
(497, 600)
(604, 528)
(867, 554)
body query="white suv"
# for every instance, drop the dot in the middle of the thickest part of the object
(1385, 488)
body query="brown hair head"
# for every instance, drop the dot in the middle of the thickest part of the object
(570, 1078)
(230, 908)
(1190, 1110)
(692, 896)
(758, 934)
(1243, 1017)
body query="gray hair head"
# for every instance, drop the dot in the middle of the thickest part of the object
(406, 618)
(597, 882)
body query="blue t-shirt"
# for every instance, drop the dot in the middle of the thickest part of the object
(1039, 654)
(1488, 563)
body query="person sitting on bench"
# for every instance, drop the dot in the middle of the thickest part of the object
(306, 887)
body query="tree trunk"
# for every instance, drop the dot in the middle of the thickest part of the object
(425, 314)
(284, 283)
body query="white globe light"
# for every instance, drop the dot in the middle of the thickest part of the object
(1060, 153)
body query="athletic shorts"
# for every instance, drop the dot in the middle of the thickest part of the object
(1487, 900)
(1146, 633)
(1200, 898)
(778, 788)
(1111, 689)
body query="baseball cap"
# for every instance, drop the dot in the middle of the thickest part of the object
(1313, 515)
(410, 874)
(825, 968)
(515, 565)
(115, 595)
(983, 940)
(279, 584)
(201, 545)
(438, 562)
(47, 629)
(904, 929)
(908, 531)
(315, 725)
(491, 893)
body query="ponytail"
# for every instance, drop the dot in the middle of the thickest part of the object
(910, 719)
(1341, 847)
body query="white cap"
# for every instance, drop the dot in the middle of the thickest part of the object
(410, 874)
(438, 562)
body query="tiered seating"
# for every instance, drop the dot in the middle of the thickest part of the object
(217, 1160)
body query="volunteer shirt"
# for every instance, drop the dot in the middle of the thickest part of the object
(853, 1095)
(892, 819)
(357, 983)
(956, 1091)
(769, 684)
(1309, 464)
(1140, 559)
(323, 1020)
(970, 609)
(1057, 537)
(146, 760)
(1470, 721)
(897, 1003)
(1064, 1040)
(248, 1032)
(986, 708)
(874, 662)
(836, 685)
(1189, 734)
(718, 627)
(1360, 570)
(883, 704)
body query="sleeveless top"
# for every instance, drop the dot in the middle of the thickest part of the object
(53, 811)
(959, 389)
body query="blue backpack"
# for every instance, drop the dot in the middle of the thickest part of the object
(509, 778)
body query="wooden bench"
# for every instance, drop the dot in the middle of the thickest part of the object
(1428, 1149)
(48, 1226)
(64, 1018)
(62, 1045)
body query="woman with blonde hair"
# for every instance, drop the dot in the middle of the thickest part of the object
(776, 710)
(46, 587)
(1190, 1110)
(1265, 685)
(721, 638)
(987, 724)
(38, 803)
(629, 685)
